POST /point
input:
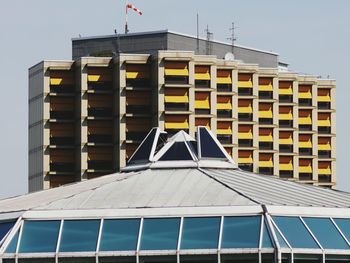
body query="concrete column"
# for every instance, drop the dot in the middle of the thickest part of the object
(46, 126)
(191, 81)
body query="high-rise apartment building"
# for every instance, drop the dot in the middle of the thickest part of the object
(88, 115)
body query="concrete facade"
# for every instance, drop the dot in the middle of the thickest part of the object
(88, 116)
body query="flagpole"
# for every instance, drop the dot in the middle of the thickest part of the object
(126, 17)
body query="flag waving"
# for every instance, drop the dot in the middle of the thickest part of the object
(130, 6)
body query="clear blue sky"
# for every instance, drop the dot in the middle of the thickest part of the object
(313, 36)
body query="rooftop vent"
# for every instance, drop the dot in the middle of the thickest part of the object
(157, 151)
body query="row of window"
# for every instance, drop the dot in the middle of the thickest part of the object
(176, 233)
(123, 234)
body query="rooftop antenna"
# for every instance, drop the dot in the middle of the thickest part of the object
(197, 33)
(209, 38)
(233, 37)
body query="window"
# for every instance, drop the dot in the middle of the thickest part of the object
(119, 235)
(241, 232)
(158, 234)
(326, 233)
(5, 227)
(266, 238)
(79, 235)
(46, 230)
(143, 153)
(178, 151)
(11, 248)
(344, 225)
(295, 232)
(200, 233)
(209, 148)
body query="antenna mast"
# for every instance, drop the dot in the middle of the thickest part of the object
(209, 38)
(197, 33)
(233, 37)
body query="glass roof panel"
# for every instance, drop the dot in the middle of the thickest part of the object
(79, 235)
(11, 248)
(209, 148)
(326, 233)
(144, 151)
(46, 230)
(178, 151)
(266, 238)
(160, 234)
(280, 239)
(344, 225)
(241, 232)
(5, 227)
(119, 234)
(295, 232)
(200, 233)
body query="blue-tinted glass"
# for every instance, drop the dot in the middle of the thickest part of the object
(266, 238)
(326, 233)
(143, 153)
(209, 148)
(119, 235)
(295, 232)
(5, 228)
(79, 235)
(11, 248)
(160, 234)
(344, 225)
(280, 239)
(39, 236)
(200, 233)
(178, 151)
(241, 232)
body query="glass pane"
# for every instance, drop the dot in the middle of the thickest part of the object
(79, 235)
(200, 233)
(118, 259)
(209, 148)
(267, 258)
(326, 233)
(199, 259)
(5, 227)
(77, 260)
(295, 232)
(119, 235)
(36, 260)
(280, 239)
(307, 258)
(266, 238)
(344, 225)
(39, 236)
(178, 151)
(157, 259)
(144, 151)
(11, 248)
(241, 232)
(240, 258)
(160, 234)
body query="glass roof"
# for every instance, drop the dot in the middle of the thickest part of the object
(149, 235)
(5, 228)
(209, 148)
(205, 151)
